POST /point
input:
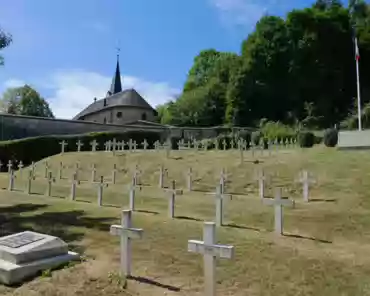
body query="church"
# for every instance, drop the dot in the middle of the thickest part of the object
(119, 106)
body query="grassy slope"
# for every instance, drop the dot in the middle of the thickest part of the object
(324, 251)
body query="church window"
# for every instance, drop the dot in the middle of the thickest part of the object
(143, 116)
(119, 114)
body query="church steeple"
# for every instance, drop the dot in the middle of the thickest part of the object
(116, 86)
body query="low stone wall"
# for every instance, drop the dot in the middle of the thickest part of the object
(354, 139)
(17, 127)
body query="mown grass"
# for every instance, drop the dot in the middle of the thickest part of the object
(323, 252)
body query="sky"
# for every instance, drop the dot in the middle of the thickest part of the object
(67, 49)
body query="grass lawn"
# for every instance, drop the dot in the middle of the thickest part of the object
(323, 252)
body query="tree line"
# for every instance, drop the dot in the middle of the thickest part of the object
(298, 70)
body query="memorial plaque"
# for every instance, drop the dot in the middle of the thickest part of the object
(20, 240)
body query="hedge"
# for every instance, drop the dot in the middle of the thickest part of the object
(37, 148)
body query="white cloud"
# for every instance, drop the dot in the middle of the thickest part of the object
(13, 83)
(72, 91)
(246, 12)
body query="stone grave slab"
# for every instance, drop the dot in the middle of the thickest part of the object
(26, 253)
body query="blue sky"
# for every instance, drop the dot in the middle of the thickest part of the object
(66, 49)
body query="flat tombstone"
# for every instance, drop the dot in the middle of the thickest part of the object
(278, 203)
(25, 254)
(126, 232)
(210, 250)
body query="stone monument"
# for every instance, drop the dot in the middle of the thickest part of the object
(24, 254)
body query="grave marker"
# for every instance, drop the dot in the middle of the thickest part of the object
(162, 172)
(306, 181)
(114, 173)
(172, 198)
(101, 185)
(74, 184)
(93, 145)
(60, 170)
(261, 178)
(50, 181)
(278, 203)
(10, 166)
(93, 173)
(144, 144)
(132, 188)
(114, 146)
(79, 145)
(20, 168)
(126, 233)
(29, 183)
(189, 179)
(219, 201)
(63, 145)
(12, 177)
(210, 250)
(46, 169)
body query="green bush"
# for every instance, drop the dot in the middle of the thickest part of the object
(277, 131)
(306, 139)
(331, 137)
(37, 148)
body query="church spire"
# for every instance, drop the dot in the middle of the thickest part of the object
(116, 86)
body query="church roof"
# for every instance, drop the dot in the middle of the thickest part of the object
(128, 98)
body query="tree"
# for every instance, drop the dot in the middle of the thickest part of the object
(5, 40)
(25, 101)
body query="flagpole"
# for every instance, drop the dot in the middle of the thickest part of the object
(358, 86)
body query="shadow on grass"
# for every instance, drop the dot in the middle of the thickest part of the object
(232, 225)
(147, 212)
(144, 280)
(62, 224)
(323, 200)
(307, 237)
(189, 218)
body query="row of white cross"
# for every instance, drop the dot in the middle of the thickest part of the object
(208, 247)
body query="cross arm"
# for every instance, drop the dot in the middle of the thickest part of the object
(118, 230)
(221, 251)
(283, 202)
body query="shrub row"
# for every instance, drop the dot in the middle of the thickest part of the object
(36, 148)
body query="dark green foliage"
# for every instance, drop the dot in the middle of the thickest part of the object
(306, 139)
(331, 137)
(37, 148)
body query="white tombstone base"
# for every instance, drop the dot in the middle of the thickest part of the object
(24, 254)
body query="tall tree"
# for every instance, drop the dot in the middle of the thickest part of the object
(5, 40)
(25, 101)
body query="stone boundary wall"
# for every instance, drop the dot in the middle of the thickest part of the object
(17, 127)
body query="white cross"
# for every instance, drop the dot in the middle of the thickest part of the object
(30, 178)
(107, 145)
(137, 174)
(171, 201)
(46, 169)
(114, 174)
(94, 144)
(61, 170)
(20, 168)
(210, 250)
(114, 144)
(130, 144)
(11, 180)
(223, 177)
(134, 145)
(224, 144)
(189, 179)
(261, 178)
(101, 185)
(79, 145)
(63, 144)
(219, 199)
(9, 165)
(278, 203)
(132, 188)
(162, 172)
(126, 233)
(145, 144)
(93, 172)
(306, 181)
(74, 184)
(156, 145)
(50, 181)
